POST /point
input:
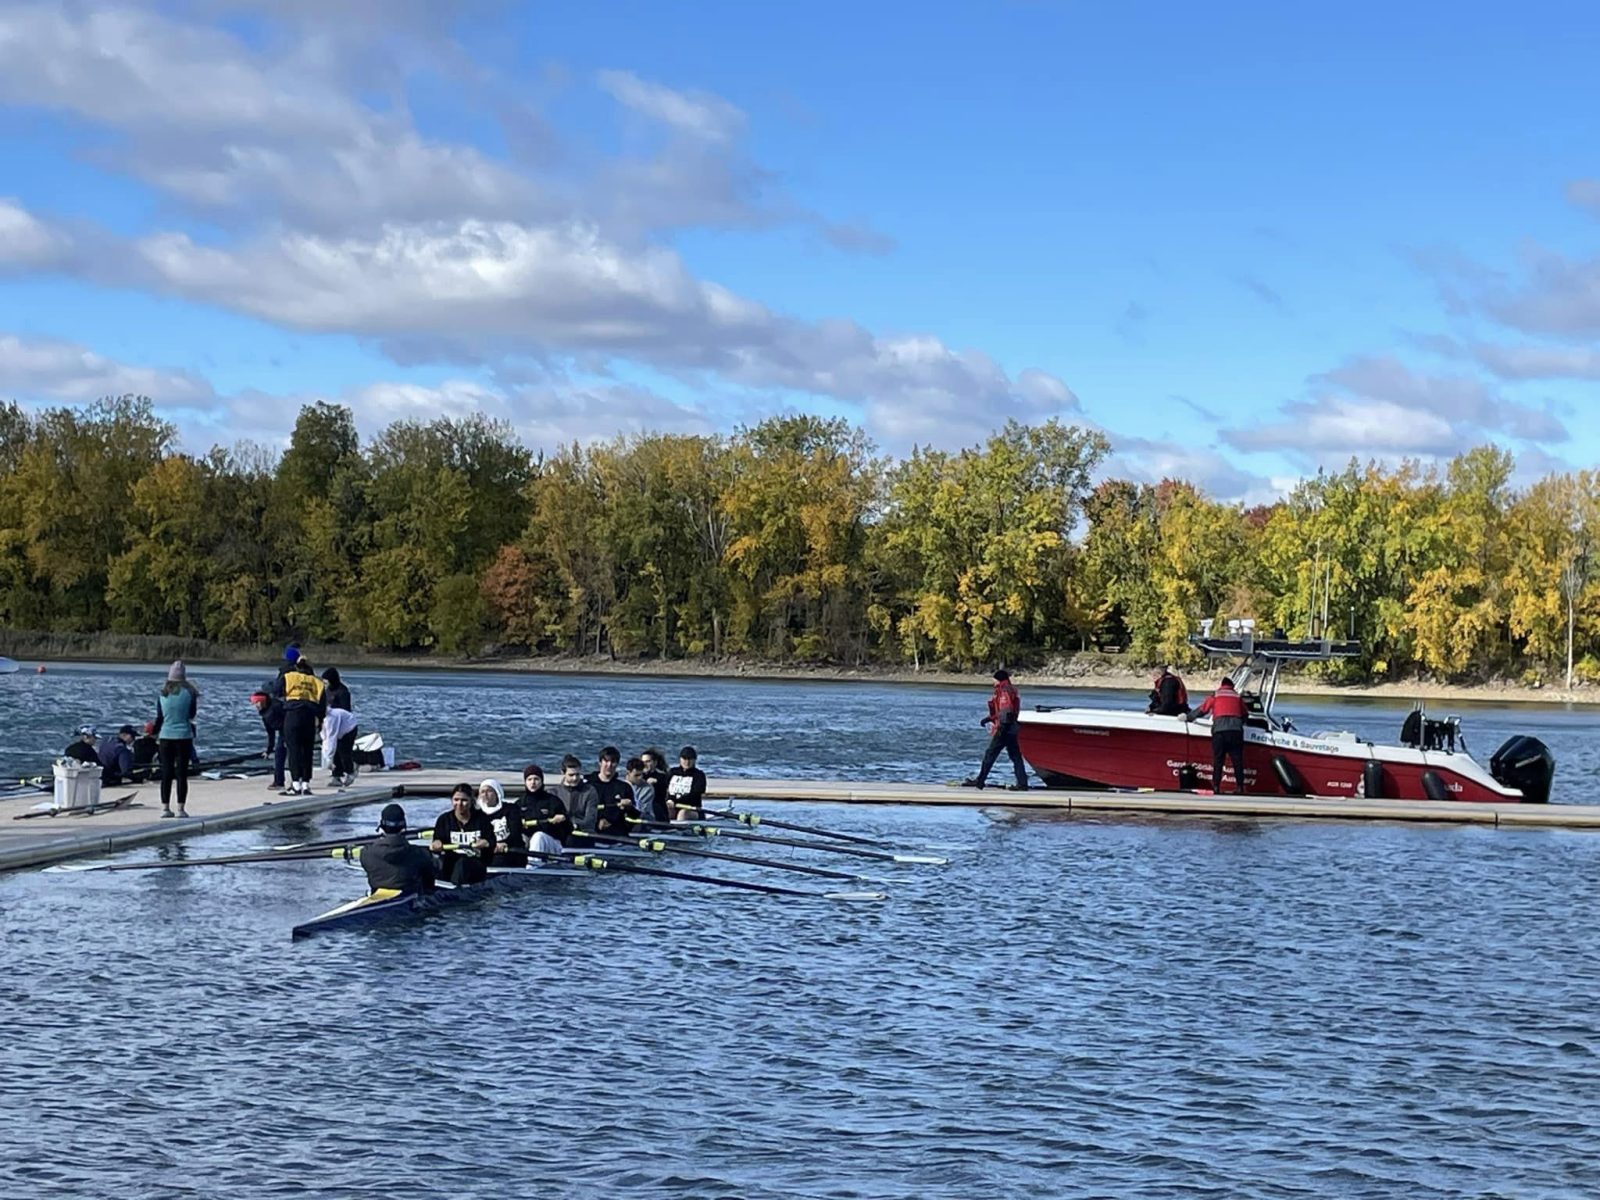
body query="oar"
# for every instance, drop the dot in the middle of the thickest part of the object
(595, 863)
(361, 838)
(657, 846)
(220, 861)
(753, 819)
(924, 860)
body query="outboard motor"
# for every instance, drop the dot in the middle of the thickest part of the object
(1525, 763)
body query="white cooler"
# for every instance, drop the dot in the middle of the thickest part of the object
(77, 785)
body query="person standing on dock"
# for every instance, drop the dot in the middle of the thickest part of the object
(175, 726)
(339, 750)
(468, 835)
(1225, 707)
(544, 816)
(393, 860)
(303, 708)
(1004, 706)
(686, 787)
(1168, 696)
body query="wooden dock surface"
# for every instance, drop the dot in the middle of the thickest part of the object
(231, 803)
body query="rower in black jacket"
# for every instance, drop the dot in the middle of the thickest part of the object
(392, 861)
(470, 835)
(542, 812)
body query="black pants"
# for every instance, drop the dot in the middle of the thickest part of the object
(1004, 738)
(344, 755)
(174, 756)
(299, 732)
(1229, 743)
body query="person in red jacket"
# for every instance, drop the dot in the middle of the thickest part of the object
(1004, 705)
(1225, 707)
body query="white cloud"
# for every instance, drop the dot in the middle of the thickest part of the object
(26, 243)
(694, 114)
(330, 213)
(1147, 460)
(50, 369)
(1459, 398)
(1526, 361)
(1378, 405)
(1338, 426)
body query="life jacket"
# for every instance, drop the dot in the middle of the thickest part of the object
(1005, 701)
(1225, 705)
(301, 687)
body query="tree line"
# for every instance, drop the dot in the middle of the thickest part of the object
(792, 540)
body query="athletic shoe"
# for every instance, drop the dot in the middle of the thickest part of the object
(976, 783)
(1016, 787)
(167, 812)
(289, 791)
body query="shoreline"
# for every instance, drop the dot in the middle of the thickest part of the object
(1097, 671)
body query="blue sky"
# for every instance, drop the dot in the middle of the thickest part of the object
(1244, 239)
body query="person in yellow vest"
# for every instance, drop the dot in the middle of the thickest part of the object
(304, 704)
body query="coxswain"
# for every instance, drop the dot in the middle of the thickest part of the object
(580, 800)
(686, 787)
(1225, 707)
(1168, 696)
(393, 861)
(617, 814)
(510, 843)
(544, 816)
(1005, 705)
(463, 837)
(81, 748)
(116, 758)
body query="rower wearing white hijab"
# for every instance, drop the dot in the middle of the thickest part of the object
(510, 843)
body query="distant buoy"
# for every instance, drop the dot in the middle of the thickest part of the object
(39, 670)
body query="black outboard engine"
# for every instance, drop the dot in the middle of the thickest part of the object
(1525, 763)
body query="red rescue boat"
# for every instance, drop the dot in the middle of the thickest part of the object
(1120, 748)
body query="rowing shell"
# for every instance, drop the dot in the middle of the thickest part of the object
(390, 904)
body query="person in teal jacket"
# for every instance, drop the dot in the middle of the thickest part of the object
(175, 710)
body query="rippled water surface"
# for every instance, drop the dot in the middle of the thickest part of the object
(1073, 1007)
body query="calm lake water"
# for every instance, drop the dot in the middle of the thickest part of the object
(1074, 1007)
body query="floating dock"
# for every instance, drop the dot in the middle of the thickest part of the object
(216, 805)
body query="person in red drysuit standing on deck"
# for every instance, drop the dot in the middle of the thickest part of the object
(1225, 707)
(1004, 705)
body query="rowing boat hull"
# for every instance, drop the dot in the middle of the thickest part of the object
(389, 904)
